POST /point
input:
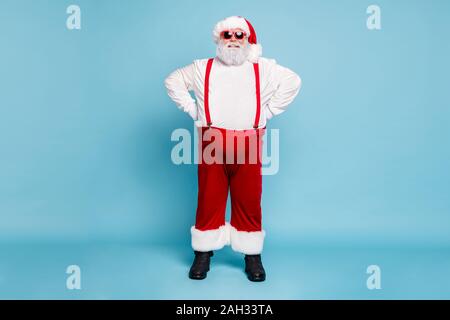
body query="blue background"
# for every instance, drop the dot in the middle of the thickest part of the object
(86, 176)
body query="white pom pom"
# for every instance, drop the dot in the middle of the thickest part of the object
(254, 53)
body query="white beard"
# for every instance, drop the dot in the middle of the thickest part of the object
(232, 56)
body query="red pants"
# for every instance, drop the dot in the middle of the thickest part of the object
(230, 160)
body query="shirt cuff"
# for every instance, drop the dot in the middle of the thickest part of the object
(268, 113)
(192, 111)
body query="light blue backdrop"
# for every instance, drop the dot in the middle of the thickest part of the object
(85, 121)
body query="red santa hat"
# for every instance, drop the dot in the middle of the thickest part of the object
(236, 22)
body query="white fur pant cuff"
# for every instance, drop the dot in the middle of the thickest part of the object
(241, 241)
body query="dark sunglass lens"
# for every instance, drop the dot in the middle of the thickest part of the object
(227, 35)
(239, 35)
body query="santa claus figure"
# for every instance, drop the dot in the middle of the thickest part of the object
(236, 92)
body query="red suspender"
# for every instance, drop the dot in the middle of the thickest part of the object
(206, 93)
(258, 95)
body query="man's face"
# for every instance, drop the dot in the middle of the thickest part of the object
(234, 38)
(233, 47)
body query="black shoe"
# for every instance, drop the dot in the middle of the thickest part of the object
(200, 266)
(254, 268)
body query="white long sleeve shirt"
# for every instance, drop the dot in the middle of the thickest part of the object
(232, 92)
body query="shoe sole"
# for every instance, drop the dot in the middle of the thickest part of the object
(197, 278)
(256, 279)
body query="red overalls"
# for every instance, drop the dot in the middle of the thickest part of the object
(229, 160)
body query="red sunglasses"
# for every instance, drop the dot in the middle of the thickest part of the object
(237, 34)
